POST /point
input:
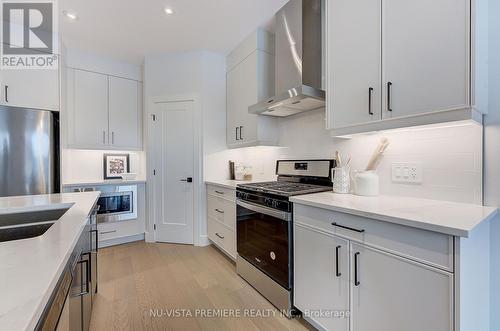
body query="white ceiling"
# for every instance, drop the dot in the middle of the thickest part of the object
(130, 29)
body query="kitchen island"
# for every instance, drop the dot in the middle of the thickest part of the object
(31, 268)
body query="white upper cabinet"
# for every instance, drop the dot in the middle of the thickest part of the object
(87, 109)
(425, 56)
(30, 88)
(405, 62)
(103, 112)
(250, 79)
(354, 45)
(125, 117)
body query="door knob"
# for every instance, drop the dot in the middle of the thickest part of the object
(188, 180)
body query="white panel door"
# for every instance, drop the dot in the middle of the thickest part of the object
(426, 56)
(125, 113)
(174, 154)
(321, 277)
(354, 62)
(390, 293)
(88, 109)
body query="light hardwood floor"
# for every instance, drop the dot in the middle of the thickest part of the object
(139, 277)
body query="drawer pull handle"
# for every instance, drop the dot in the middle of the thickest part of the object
(219, 211)
(356, 271)
(337, 272)
(348, 228)
(218, 235)
(219, 192)
(106, 232)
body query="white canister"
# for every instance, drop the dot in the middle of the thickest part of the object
(366, 183)
(341, 180)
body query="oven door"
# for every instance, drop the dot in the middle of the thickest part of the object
(264, 240)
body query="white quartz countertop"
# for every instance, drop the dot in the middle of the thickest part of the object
(451, 218)
(227, 183)
(30, 268)
(106, 182)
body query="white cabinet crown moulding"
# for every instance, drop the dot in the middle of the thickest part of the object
(413, 67)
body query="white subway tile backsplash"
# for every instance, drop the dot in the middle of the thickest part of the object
(451, 156)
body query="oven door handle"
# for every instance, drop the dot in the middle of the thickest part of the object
(282, 215)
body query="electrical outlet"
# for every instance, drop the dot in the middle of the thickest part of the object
(411, 173)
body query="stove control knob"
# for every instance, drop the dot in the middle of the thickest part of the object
(275, 204)
(268, 201)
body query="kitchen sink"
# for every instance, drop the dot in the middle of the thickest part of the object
(31, 224)
(38, 216)
(23, 232)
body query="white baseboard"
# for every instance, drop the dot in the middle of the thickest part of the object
(121, 240)
(203, 241)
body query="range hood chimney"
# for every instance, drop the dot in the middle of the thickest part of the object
(299, 61)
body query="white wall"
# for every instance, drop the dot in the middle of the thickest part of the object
(80, 166)
(202, 74)
(451, 156)
(492, 157)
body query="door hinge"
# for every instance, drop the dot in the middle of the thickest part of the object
(154, 227)
(154, 118)
(154, 172)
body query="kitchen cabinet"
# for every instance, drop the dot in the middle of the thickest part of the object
(125, 117)
(103, 112)
(30, 88)
(250, 79)
(370, 272)
(391, 293)
(88, 109)
(321, 263)
(221, 218)
(397, 63)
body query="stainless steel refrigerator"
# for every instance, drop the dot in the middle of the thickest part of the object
(29, 151)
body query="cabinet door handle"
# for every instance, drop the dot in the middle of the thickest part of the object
(356, 267)
(348, 228)
(96, 240)
(370, 92)
(218, 235)
(389, 87)
(113, 137)
(104, 137)
(219, 192)
(6, 93)
(106, 232)
(337, 257)
(241, 134)
(237, 133)
(219, 211)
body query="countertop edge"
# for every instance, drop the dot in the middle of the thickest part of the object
(453, 231)
(106, 182)
(50, 289)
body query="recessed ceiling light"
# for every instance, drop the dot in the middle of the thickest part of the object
(169, 11)
(71, 16)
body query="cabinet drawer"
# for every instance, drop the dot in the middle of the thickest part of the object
(421, 245)
(222, 236)
(222, 192)
(222, 210)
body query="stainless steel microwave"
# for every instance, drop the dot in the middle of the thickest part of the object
(116, 202)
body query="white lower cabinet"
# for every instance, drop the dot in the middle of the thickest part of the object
(321, 277)
(390, 293)
(341, 284)
(221, 218)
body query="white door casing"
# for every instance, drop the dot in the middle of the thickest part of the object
(173, 147)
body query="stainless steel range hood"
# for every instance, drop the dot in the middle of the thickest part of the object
(299, 61)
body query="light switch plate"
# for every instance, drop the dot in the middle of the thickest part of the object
(411, 173)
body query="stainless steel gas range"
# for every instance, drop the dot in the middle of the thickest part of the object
(265, 224)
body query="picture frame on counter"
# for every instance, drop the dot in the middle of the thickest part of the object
(115, 164)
